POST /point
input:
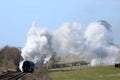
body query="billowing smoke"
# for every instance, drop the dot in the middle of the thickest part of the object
(38, 45)
(99, 41)
(68, 39)
(95, 43)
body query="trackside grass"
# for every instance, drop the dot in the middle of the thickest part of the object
(85, 73)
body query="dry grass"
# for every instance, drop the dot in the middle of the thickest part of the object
(10, 57)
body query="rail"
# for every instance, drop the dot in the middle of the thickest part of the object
(12, 75)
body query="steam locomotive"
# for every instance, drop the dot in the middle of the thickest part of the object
(27, 66)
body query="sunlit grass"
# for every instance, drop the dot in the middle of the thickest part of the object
(86, 73)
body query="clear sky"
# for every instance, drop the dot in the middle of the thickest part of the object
(16, 16)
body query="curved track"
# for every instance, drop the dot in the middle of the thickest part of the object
(12, 75)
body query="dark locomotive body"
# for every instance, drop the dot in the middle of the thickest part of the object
(28, 66)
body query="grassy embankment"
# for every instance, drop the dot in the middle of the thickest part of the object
(85, 73)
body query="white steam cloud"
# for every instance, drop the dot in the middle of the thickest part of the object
(68, 39)
(99, 41)
(38, 45)
(95, 43)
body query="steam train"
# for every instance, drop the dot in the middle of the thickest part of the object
(26, 66)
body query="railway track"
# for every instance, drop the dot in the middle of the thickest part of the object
(12, 75)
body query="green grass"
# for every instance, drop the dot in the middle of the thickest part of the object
(85, 73)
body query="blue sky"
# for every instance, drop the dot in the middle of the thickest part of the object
(16, 16)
